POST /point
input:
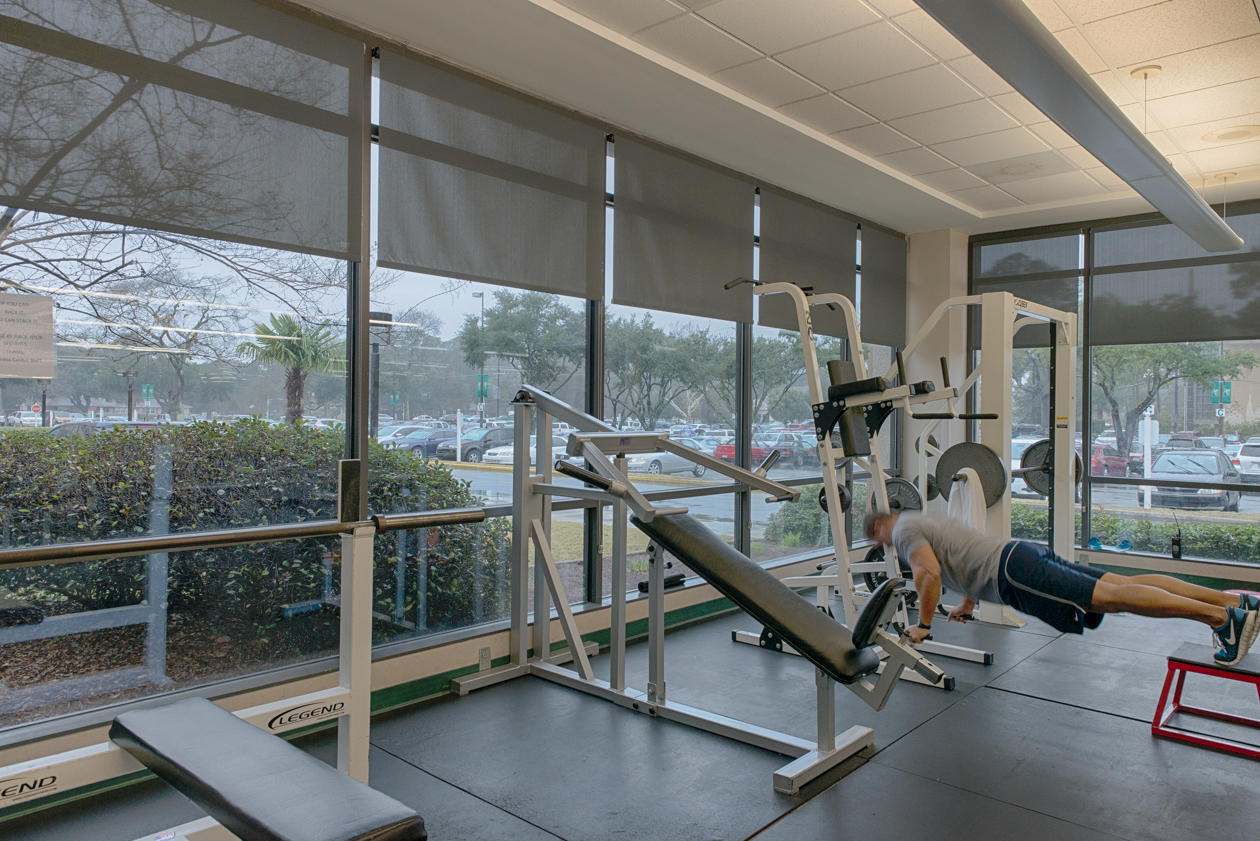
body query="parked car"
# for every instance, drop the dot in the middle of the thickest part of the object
(663, 462)
(1232, 449)
(1019, 488)
(1029, 430)
(402, 430)
(1194, 465)
(421, 442)
(25, 419)
(84, 428)
(1105, 460)
(794, 448)
(1183, 442)
(506, 454)
(475, 443)
(1249, 461)
(1214, 442)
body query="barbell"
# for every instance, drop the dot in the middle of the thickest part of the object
(1035, 467)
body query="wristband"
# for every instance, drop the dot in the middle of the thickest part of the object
(925, 627)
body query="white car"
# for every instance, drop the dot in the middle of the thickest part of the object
(1249, 462)
(506, 454)
(1019, 488)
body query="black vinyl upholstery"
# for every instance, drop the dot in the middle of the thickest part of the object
(819, 638)
(256, 784)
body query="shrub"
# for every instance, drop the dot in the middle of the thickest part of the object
(221, 476)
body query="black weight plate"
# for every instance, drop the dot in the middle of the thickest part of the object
(846, 499)
(987, 464)
(903, 495)
(1036, 460)
(934, 490)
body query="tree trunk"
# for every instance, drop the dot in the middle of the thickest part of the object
(294, 386)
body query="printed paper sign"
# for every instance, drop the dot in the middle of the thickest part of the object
(26, 336)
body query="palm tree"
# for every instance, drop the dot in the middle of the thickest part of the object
(284, 340)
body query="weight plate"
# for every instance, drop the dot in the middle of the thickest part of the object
(987, 464)
(846, 498)
(934, 490)
(1036, 462)
(931, 442)
(903, 495)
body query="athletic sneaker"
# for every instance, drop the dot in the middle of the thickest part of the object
(1250, 602)
(1236, 635)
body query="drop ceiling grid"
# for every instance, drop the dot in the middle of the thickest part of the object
(883, 78)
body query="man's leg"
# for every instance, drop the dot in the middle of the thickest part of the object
(1178, 587)
(1118, 593)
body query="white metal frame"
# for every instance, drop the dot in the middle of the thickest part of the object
(605, 449)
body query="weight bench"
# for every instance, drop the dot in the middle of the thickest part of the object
(1195, 658)
(256, 784)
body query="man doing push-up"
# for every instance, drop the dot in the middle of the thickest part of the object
(1032, 579)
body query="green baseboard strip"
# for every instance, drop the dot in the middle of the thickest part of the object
(387, 699)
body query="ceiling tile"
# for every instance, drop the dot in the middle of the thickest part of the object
(1226, 158)
(1019, 108)
(923, 28)
(1119, 89)
(1074, 42)
(1079, 157)
(1055, 136)
(1163, 143)
(1049, 13)
(991, 147)
(910, 93)
(1084, 11)
(877, 139)
(696, 43)
(694, 4)
(979, 74)
(1068, 185)
(1190, 138)
(916, 161)
(954, 122)
(893, 7)
(626, 17)
(986, 198)
(1172, 27)
(827, 113)
(1108, 179)
(949, 180)
(1206, 67)
(1022, 168)
(768, 82)
(856, 57)
(1218, 103)
(775, 27)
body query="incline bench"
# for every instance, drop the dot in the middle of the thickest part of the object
(256, 784)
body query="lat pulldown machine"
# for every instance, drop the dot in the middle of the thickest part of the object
(852, 658)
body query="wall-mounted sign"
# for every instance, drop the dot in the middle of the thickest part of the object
(26, 336)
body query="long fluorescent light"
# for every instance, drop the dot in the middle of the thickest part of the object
(1007, 36)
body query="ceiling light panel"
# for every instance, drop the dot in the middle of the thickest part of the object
(697, 44)
(874, 140)
(827, 113)
(925, 89)
(625, 17)
(768, 82)
(920, 26)
(790, 23)
(858, 56)
(955, 122)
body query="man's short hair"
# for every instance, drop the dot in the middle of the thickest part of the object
(872, 521)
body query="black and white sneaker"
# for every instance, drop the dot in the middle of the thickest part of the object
(1236, 636)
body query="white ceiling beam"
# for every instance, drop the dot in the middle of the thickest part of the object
(1007, 36)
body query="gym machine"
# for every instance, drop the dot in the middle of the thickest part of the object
(840, 656)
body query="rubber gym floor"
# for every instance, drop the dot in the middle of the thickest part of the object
(1050, 742)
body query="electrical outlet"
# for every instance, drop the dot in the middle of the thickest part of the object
(483, 659)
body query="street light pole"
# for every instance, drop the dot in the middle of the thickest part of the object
(481, 378)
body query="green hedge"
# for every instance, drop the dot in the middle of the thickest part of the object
(248, 473)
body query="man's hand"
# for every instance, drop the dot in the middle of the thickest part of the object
(964, 610)
(917, 634)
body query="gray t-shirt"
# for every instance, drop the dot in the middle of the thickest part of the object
(969, 558)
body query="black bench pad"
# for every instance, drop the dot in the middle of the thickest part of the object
(256, 784)
(819, 638)
(1201, 655)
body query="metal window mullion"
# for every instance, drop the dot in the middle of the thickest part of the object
(743, 431)
(593, 518)
(358, 275)
(1087, 380)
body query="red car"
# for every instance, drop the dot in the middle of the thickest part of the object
(793, 447)
(1107, 461)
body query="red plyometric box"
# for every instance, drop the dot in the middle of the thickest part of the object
(1193, 658)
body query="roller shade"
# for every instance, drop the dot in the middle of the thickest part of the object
(227, 120)
(810, 245)
(1153, 284)
(1062, 293)
(681, 231)
(883, 287)
(482, 184)
(1028, 256)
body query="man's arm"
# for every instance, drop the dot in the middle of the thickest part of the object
(927, 582)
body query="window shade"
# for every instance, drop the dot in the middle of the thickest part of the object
(1029, 256)
(1147, 243)
(1060, 293)
(482, 184)
(1191, 304)
(883, 287)
(228, 120)
(809, 245)
(681, 231)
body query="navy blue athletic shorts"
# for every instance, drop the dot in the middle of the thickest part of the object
(1034, 580)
